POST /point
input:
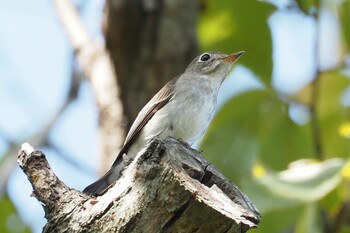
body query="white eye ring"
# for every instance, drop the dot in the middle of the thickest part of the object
(205, 57)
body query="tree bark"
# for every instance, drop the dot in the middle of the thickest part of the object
(150, 42)
(169, 187)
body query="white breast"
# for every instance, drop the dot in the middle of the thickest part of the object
(186, 116)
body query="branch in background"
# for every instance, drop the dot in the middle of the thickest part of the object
(315, 86)
(98, 68)
(7, 165)
(40, 138)
(315, 125)
(342, 217)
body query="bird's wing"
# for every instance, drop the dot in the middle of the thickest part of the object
(156, 103)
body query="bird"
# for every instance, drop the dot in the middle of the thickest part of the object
(182, 109)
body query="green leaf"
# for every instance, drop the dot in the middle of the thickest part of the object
(264, 199)
(235, 25)
(304, 180)
(282, 140)
(333, 115)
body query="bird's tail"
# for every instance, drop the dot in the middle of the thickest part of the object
(99, 186)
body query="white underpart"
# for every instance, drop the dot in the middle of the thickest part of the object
(186, 116)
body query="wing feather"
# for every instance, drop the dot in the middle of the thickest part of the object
(156, 103)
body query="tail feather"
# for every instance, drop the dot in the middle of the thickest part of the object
(99, 186)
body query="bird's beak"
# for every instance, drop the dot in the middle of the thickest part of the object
(233, 57)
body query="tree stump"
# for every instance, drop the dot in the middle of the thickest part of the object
(169, 187)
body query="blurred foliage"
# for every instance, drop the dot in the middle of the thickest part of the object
(271, 157)
(234, 25)
(333, 115)
(307, 5)
(9, 220)
(253, 139)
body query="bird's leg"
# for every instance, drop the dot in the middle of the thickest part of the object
(184, 143)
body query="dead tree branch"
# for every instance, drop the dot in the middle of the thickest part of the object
(167, 188)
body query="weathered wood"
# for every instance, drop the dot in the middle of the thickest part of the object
(169, 187)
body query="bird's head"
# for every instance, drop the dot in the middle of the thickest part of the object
(213, 64)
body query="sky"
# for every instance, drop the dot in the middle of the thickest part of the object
(35, 76)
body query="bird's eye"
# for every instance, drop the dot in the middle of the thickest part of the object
(204, 57)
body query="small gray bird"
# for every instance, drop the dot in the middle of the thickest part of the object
(183, 109)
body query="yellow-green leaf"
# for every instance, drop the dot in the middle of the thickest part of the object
(305, 180)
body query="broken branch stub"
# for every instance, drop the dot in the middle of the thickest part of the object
(169, 187)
